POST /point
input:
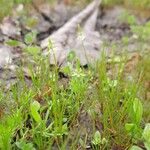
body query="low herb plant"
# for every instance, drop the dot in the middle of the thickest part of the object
(45, 116)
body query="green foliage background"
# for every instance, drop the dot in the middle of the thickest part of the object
(132, 3)
(6, 6)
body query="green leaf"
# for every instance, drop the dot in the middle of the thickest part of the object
(66, 70)
(125, 40)
(82, 143)
(14, 43)
(33, 50)
(147, 145)
(129, 127)
(135, 148)
(104, 141)
(97, 138)
(31, 22)
(34, 107)
(30, 38)
(65, 129)
(133, 130)
(131, 20)
(137, 110)
(71, 56)
(146, 133)
(25, 146)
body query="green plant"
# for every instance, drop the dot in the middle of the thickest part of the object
(8, 127)
(136, 114)
(30, 38)
(138, 4)
(98, 141)
(127, 17)
(146, 136)
(119, 105)
(49, 112)
(22, 145)
(135, 148)
(34, 107)
(112, 2)
(141, 31)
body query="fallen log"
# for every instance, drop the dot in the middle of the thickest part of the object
(67, 38)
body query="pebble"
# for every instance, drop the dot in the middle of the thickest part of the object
(5, 56)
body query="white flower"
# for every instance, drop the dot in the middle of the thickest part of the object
(135, 36)
(78, 73)
(81, 36)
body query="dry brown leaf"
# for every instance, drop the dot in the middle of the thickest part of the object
(67, 2)
(1, 112)
(147, 91)
(147, 84)
(132, 62)
(45, 91)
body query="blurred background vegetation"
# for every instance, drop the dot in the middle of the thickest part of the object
(6, 6)
(132, 3)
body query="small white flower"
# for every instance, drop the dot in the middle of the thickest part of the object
(135, 36)
(80, 33)
(78, 73)
(81, 36)
(20, 8)
(112, 83)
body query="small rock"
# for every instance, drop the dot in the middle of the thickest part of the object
(5, 55)
(10, 28)
(42, 25)
(1, 37)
